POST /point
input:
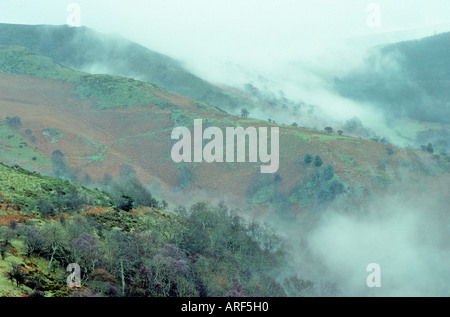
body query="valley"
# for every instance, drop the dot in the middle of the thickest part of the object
(92, 173)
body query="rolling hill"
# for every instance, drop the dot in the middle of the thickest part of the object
(84, 49)
(80, 126)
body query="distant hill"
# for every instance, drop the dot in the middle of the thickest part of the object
(409, 79)
(86, 50)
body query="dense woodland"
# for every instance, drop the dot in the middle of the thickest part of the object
(131, 248)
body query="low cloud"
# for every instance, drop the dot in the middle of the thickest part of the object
(406, 232)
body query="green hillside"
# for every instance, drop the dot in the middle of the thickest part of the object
(14, 149)
(22, 187)
(83, 48)
(108, 91)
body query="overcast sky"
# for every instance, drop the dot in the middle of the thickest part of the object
(240, 30)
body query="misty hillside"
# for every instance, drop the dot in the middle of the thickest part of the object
(87, 177)
(89, 128)
(86, 50)
(198, 153)
(408, 79)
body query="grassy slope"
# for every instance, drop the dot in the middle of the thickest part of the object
(83, 48)
(15, 149)
(109, 91)
(21, 186)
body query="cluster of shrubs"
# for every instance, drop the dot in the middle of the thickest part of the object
(130, 194)
(308, 159)
(62, 200)
(325, 185)
(14, 122)
(322, 185)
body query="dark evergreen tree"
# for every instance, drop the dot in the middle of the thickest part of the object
(308, 158)
(318, 161)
